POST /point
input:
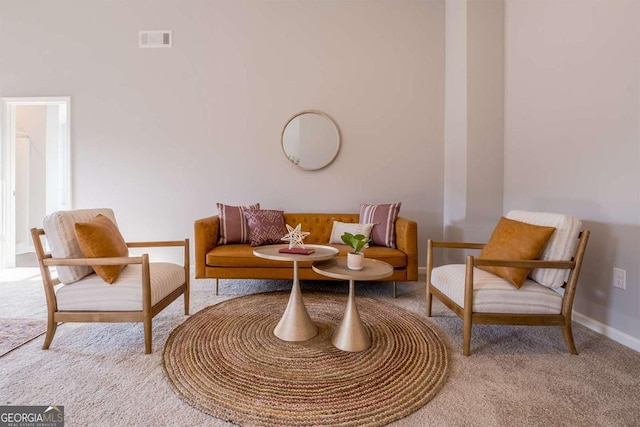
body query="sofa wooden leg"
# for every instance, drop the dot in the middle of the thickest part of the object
(216, 287)
(395, 289)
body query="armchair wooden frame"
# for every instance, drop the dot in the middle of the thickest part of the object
(469, 317)
(146, 315)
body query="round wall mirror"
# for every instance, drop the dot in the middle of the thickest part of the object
(311, 140)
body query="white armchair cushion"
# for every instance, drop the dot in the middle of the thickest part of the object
(561, 245)
(59, 228)
(94, 294)
(493, 294)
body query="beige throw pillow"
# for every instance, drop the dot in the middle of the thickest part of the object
(339, 228)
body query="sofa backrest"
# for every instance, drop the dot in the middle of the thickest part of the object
(318, 224)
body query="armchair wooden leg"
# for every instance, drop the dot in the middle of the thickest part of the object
(567, 332)
(147, 334)
(466, 338)
(429, 269)
(394, 289)
(186, 295)
(467, 315)
(216, 287)
(51, 331)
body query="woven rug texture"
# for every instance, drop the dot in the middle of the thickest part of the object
(226, 361)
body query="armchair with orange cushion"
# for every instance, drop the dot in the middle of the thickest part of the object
(97, 279)
(526, 274)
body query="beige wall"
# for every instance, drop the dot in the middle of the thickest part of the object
(455, 120)
(161, 135)
(572, 135)
(474, 120)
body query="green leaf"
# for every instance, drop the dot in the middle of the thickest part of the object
(357, 242)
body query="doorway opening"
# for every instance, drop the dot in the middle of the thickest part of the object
(36, 171)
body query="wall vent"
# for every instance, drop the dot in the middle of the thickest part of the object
(154, 38)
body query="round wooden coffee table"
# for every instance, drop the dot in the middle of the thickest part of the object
(295, 324)
(351, 334)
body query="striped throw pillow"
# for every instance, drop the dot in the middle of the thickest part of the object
(384, 217)
(233, 224)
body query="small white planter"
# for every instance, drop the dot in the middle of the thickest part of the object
(355, 260)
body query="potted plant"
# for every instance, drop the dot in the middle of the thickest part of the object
(355, 259)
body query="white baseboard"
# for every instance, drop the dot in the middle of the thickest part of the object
(616, 335)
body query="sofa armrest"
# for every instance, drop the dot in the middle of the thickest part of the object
(407, 242)
(206, 232)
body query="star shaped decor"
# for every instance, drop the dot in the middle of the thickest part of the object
(295, 236)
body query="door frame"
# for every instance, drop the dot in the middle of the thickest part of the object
(8, 168)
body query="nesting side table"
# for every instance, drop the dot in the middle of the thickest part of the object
(295, 324)
(351, 335)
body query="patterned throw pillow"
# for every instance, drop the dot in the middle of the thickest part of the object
(233, 224)
(266, 227)
(100, 238)
(384, 217)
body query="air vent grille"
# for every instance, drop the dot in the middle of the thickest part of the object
(154, 38)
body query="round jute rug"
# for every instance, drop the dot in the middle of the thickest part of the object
(226, 361)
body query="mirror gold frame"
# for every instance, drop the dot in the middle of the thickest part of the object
(310, 140)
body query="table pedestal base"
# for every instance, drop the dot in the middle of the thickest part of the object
(295, 324)
(351, 335)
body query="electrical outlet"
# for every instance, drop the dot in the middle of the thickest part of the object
(619, 278)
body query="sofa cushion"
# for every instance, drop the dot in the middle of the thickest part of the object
(561, 246)
(242, 256)
(514, 240)
(395, 257)
(493, 294)
(266, 227)
(239, 256)
(93, 294)
(233, 224)
(99, 238)
(384, 217)
(59, 228)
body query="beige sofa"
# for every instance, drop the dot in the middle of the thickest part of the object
(236, 261)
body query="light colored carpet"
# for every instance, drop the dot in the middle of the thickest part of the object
(515, 375)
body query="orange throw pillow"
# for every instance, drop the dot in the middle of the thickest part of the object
(515, 240)
(100, 238)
